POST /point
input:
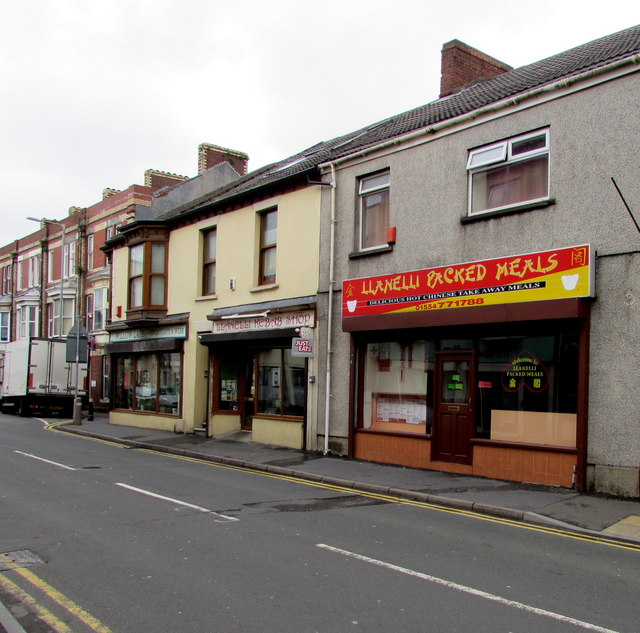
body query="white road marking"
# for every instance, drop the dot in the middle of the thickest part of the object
(469, 590)
(47, 461)
(177, 502)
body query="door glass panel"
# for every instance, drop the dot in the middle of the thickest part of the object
(455, 381)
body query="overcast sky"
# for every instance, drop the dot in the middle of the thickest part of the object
(94, 92)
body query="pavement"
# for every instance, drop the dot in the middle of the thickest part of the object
(611, 518)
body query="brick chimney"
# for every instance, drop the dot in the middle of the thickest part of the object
(211, 155)
(158, 180)
(462, 65)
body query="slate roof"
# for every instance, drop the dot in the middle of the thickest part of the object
(589, 56)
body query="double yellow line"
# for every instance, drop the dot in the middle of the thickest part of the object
(38, 609)
(591, 538)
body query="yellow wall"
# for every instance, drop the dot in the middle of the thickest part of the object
(238, 235)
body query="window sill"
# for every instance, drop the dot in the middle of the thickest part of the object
(264, 288)
(373, 251)
(206, 298)
(520, 208)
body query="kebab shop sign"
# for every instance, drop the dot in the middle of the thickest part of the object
(557, 274)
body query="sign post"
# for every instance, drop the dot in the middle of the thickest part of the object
(77, 352)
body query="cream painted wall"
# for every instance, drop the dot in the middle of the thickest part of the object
(237, 257)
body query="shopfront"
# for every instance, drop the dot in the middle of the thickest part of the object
(147, 368)
(476, 368)
(260, 367)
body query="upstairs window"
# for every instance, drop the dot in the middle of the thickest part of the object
(34, 271)
(509, 173)
(268, 241)
(27, 321)
(209, 263)
(374, 211)
(6, 280)
(90, 248)
(69, 260)
(147, 278)
(4, 326)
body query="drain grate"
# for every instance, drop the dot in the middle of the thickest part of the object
(19, 558)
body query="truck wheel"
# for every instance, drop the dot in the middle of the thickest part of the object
(23, 409)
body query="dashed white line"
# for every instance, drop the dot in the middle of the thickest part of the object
(184, 504)
(469, 590)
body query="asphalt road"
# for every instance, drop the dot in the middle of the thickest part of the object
(129, 541)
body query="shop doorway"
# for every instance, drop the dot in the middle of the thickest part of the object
(453, 408)
(247, 391)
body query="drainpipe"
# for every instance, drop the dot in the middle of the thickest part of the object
(332, 239)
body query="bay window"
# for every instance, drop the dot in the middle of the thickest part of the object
(147, 275)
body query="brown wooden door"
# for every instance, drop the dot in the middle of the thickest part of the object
(453, 408)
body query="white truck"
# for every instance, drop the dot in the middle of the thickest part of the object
(36, 379)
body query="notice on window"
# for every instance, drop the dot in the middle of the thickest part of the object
(525, 371)
(407, 409)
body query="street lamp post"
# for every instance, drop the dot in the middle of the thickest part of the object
(77, 404)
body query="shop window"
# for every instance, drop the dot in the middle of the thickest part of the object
(397, 386)
(527, 389)
(147, 278)
(106, 377)
(281, 383)
(229, 370)
(373, 216)
(509, 173)
(209, 262)
(268, 248)
(148, 382)
(4, 326)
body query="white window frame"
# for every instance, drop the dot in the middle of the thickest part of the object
(99, 308)
(27, 321)
(34, 271)
(69, 260)
(501, 154)
(6, 280)
(90, 247)
(5, 326)
(53, 317)
(363, 192)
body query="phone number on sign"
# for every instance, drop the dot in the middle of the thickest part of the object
(455, 303)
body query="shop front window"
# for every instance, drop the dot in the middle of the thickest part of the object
(229, 372)
(281, 383)
(397, 379)
(527, 389)
(124, 383)
(148, 382)
(169, 395)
